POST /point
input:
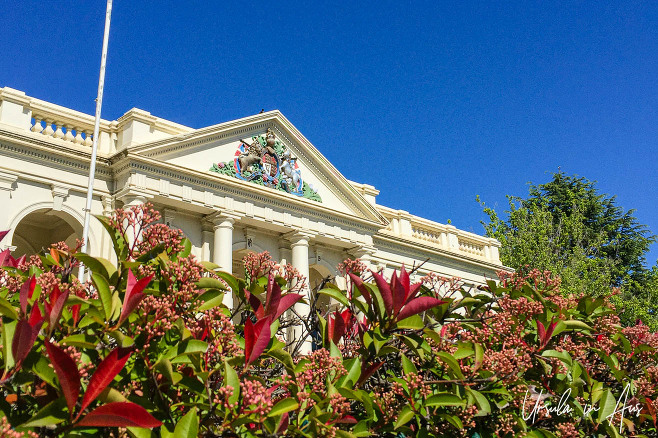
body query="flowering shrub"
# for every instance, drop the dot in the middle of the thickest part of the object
(146, 349)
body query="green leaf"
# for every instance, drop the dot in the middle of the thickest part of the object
(454, 420)
(97, 265)
(164, 366)
(232, 282)
(336, 295)
(111, 395)
(188, 426)
(283, 406)
(210, 283)
(212, 303)
(574, 324)
(7, 309)
(232, 380)
(408, 366)
(414, 322)
(187, 248)
(452, 363)
(120, 248)
(479, 355)
(562, 355)
(140, 432)
(184, 348)
(405, 415)
(464, 349)
(283, 357)
(8, 329)
(606, 406)
(121, 339)
(81, 340)
(53, 413)
(444, 399)
(104, 293)
(353, 367)
(45, 371)
(480, 401)
(210, 266)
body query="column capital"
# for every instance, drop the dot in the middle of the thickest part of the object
(297, 237)
(7, 180)
(224, 218)
(362, 251)
(133, 197)
(60, 192)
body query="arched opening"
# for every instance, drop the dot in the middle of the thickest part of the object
(41, 228)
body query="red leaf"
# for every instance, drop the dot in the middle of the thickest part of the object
(362, 287)
(22, 342)
(283, 424)
(335, 327)
(135, 287)
(55, 255)
(413, 290)
(286, 303)
(67, 373)
(54, 294)
(399, 294)
(256, 338)
(6, 258)
(26, 292)
(347, 419)
(651, 410)
(273, 296)
(129, 305)
(56, 311)
(385, 290)
(133, 295)
(75, 312)
(541, 331)
(36, 318)
(19, 261)
(404, 278)
(119, 414)
(104, 374)
(368, 371)
(255, 304)
(418, 305)
(3, 234)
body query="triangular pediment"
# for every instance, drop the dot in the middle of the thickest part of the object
(264, 152)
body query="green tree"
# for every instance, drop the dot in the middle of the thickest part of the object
(568, 227)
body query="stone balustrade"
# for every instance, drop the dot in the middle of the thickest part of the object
(22, 112)
(471, 246)
(440, 236)
(63, 130)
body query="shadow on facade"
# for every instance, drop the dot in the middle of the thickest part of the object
(40, 229)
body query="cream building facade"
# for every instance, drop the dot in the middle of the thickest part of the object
(253, 184)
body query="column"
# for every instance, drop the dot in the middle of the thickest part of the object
(299, 244)
(207, 240)
(365, 253)
(132, 200)
(223, 246)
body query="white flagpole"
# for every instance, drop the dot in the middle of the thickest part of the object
(94, 148)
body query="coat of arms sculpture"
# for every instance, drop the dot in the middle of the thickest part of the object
(267, 161)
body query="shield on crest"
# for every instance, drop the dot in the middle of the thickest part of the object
(270, 164)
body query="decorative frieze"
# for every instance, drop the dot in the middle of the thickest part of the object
(266, 161)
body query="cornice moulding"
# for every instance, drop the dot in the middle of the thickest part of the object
(232, 186)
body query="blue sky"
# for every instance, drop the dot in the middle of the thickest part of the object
(431, 102)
